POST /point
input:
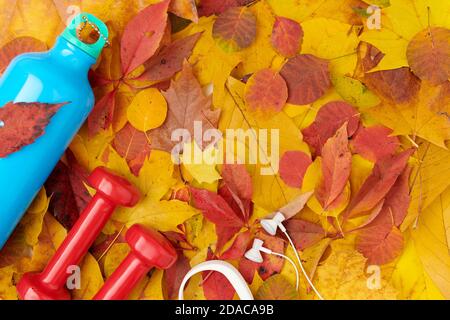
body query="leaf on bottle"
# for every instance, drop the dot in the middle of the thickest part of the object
(329, 119)
(21, 124)
(287, 37)
(143, 35)
(307, 78)
(235, 29)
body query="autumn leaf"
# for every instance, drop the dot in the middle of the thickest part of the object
(142, 36)
(235, 29)
(277, 288)
(378, 184)
(67, 190)
(293, 166)
(287, 37)
(304, 234)
(102, 115)
(210, 7)
(215, 285)
(336, 166)
(18, 46)
(174, 276)
(170, 59)
(374, 143)
(186, 9)
(23, 123)
(132, 145)
(186, 104)
(148, 110)
(266, 92)
(329, 119)
(307, 78)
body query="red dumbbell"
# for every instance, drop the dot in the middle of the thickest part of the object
(112, 191)
(149, 249)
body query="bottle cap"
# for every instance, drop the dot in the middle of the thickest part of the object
(71, 34)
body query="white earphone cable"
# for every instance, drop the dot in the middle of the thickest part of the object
(301, 266)
(293, 264)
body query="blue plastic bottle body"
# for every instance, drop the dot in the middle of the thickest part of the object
(57, 76)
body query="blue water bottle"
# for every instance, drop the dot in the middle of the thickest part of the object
(44, 100)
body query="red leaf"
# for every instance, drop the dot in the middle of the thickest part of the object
(375, 143)
(102, 115)
(380, 244)
(66, 187)
(243, 207)
(247, 268)
(307, 77)
(238, 180)
(170, 59)
(238, 248)
(293, 166)
(224, 234)
(210, 7)
(266, 92)
(215, 208)
(235, 29)
(18, 46)
(271, 264)
(287, 37)
(143, 35)
(132, 145)
(398, 199)
(398, 85)
(304, 234)
(378, 184)
(174, 276)
(328, 120)
(22, 124)
(336, 167)
(215, 285)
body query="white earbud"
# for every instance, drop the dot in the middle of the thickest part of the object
(271, 225)
(254, 254)
(228, 270)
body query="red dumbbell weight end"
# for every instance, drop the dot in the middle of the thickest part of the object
(149, 249)
(112, 191)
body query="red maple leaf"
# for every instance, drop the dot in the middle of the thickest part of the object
(22, 123)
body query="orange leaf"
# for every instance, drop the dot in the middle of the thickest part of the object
(235, 29)
(17, 46)
(293, 166)
(287, 37)
(266, 91)
(429, 55)
(307, 77)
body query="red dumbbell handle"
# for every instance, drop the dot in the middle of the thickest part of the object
(124, 279)
(78, 241)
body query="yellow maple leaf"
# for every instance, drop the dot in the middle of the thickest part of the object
(91, 279)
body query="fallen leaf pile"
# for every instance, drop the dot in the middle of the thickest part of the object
(361, 169)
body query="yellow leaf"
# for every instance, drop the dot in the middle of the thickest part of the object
(161, 215)
(354, 92)
(410, 278)
(148, 110)
(276, 288)
(429, 178)
(114, 257)
(153, 289)
(201, 165)
(7, 288)
(343, 276)
(431, 243)
(401, 21)
(336, 42)
(91, 279)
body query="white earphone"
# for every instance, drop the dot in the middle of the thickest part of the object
(271, 226)
(254, 254)
(225, 268)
